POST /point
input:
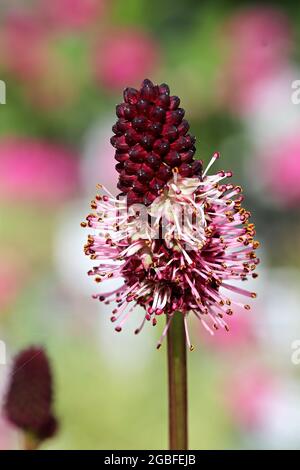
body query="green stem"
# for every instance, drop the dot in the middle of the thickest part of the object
(178, 433)
(31, 442)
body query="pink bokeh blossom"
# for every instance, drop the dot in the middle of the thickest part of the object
(125, 57)
(22, 39)
(72, 14)
(259, 42)
(7, 435)
(247, 393)
(241, 333)
(36, 171)
(280, 173)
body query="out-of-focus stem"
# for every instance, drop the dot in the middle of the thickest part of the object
(30, 442)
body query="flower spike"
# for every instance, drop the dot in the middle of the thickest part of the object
(181, 246)
(29, 397)
(151, 139)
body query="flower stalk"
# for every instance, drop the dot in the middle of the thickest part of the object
(177, 372)
(30, 442)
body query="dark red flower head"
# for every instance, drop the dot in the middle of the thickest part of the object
(151, 140)
(29, 397)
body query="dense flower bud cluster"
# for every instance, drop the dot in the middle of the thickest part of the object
(151, 140)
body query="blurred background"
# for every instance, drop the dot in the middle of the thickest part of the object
(64, 64)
